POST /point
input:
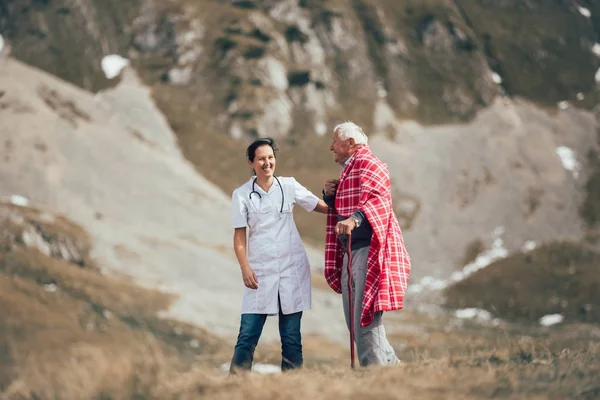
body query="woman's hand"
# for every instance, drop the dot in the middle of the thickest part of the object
(321, 207)
(239, 246)
(250, 279)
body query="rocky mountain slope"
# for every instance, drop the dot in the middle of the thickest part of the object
(512, 178)
(432, 60)
(110, 163)
(485, 110)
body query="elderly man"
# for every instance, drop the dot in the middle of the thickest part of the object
(361, 214)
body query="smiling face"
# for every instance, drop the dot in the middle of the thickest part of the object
(264, 162)
(342, 149)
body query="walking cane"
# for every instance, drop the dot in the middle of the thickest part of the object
(350, 301)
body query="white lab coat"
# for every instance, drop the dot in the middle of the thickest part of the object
(274, 248)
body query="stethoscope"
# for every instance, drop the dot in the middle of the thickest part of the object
(260, 197)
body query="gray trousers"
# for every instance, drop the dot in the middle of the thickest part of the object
(372, 346)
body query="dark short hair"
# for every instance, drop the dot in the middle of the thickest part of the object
(251, 150)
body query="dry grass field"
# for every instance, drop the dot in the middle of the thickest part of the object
(67, 331)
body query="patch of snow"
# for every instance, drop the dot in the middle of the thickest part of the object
(321, 128)
(433, 283)
(50, 288)
(457, 276)
(596, 49)
(262, 369)
(551, 319)
(112, 65)
(568, 160)
(20, 201)
(563, 105)
(597, 76)
(1, 43)
(194, 343)
(584, 11)
(473, 313)
(497, 252)
(485, 258)
(529, 245)
(580, 96)
(429, 283)
(497, 79)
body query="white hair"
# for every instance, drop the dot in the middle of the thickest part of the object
(349, 130)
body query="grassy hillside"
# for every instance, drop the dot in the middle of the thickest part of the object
(64, 321)
(541, 49)
(560, 278)
(68, 39)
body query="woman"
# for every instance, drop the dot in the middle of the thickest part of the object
(273, 261)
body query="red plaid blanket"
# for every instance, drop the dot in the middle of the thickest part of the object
(365, 184)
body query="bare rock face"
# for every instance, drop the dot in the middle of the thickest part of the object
(268, 68)
(290, 68)
(434, 62)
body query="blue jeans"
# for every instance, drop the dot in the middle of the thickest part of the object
(251, 327)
